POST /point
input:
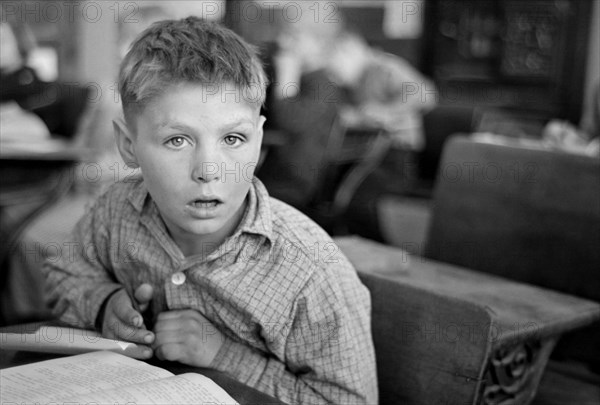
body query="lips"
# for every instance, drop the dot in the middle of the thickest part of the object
(204, 207)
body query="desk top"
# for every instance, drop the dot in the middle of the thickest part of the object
(516, 308)
(240, 392)
(47, 150)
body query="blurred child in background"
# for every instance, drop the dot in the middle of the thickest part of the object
(381, 90)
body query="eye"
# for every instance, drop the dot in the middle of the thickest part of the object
(233, 140)
(177, 142)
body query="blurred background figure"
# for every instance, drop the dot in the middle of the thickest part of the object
(381, 90)
(328, 84)
(301, 49)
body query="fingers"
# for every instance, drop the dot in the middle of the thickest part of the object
(177, 322)
(171, 330)
(186, 336)
(138, 352)
(114, 328)
(124, 310)
(143, 295)
(170, 351)
(123, 322)
(182, 321)
(170, 336)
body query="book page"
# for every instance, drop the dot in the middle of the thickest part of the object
(65, 340)
(52, 380)
(183, 389)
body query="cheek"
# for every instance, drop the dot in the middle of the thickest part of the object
(248, 172)
(155, 158)
(249, 166)
(159, 170)
(241, 191)
(242, 158)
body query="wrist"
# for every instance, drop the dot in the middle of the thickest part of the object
(102, 310)
(223, 357)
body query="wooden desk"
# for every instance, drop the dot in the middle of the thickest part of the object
(527, 321)
(240, 392)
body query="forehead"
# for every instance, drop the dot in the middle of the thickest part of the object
(219, 104)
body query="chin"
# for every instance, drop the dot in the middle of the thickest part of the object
(206, 228)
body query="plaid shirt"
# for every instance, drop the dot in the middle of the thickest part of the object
(295, 317)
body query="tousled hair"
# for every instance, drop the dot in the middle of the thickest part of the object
(189, 50)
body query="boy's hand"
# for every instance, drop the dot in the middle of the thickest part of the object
(143, 296)
(123, 322)
(186, 336)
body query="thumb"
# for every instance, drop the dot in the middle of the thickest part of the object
(143, 295)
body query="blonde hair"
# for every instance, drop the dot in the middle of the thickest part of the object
(191, 50)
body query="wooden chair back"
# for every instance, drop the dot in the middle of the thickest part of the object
(531, 215)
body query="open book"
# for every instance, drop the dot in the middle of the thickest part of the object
(105, 378)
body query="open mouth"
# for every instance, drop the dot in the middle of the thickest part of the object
(208, 203)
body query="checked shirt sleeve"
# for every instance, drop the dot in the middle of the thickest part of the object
(327, 353)
(79, 280)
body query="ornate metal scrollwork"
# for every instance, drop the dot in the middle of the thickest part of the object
(513, 374)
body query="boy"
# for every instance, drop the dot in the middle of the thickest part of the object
(193, 258)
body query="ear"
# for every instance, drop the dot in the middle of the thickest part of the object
(125, 143)
(260, 130)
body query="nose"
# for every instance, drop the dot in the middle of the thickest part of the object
(206, 165)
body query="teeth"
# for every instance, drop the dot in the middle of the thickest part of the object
(205, 204)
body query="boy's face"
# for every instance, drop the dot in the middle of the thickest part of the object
(197, 150)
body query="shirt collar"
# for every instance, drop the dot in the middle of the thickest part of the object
(138, 195)
(257, 218)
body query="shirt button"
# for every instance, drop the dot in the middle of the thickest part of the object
(178, 278)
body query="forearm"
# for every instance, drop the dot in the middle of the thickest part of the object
(76, 299)
(269, 375)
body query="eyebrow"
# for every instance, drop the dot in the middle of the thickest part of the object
(225, 127)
